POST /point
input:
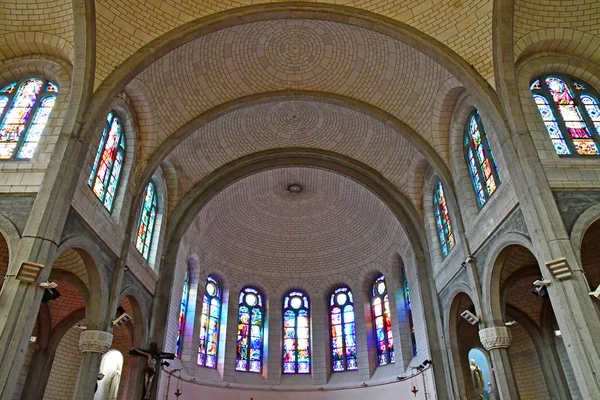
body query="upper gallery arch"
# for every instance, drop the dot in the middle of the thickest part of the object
(197, 66)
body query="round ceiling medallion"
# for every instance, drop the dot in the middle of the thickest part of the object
(294, 188)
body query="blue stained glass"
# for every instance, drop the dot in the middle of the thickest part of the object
(343, 335)
(296, 334)
(250, 331)
(182, 314)
(209, 324)
(382, 322)
(480, 159)
(106, 171)
(442, 217)
(562, 107)
(19, 133)
(147, 220)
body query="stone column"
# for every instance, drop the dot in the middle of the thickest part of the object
(496, 340)
(93, 345)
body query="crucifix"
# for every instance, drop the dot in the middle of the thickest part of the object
(153, 356)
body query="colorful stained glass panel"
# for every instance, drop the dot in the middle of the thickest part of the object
(250, 331)
(444, 226)
(209, 324)
(296, 334)
(20, 133)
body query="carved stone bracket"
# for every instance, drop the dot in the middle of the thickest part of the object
(497, 337)
(95, 341)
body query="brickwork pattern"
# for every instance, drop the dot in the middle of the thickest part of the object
(47, 23)
(291, 54)
(70, 300)
(333, 232)
(526, 366)
(281, 124)
(65, 367)
(543, 15)
(125, 26)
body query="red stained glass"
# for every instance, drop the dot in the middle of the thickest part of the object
(209, 324)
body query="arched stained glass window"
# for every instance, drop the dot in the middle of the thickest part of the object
(380, 303)
(480, 159)
(571, 114)
(343, 330)
(250, 331)
(296, 334)
(442, 219)
(182, 312)
(209, 324)
(147, 221)
(25, 107)
(106, 171)
(408, 307)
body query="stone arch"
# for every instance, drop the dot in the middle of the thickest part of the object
(462, 336)
(9, 237)
(491, 282)
(557, 40)
(76, 257)
(15, 45)
(443, 112)
(588, 246)
(162, 45)
(511, 295)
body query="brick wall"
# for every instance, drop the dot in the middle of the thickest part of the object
(65, 368)
(526, 366)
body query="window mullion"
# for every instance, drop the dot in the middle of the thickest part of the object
(586, 118)
(558, 117)
(32, 115)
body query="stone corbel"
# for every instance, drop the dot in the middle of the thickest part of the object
(497, 337)
(91, 341)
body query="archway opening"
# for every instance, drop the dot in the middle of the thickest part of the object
(590, 253)
(4, 258)
(538, 368)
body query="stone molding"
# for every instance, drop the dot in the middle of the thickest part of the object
(95, 341)
(497, 337)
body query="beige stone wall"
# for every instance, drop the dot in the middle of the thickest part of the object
(63, 377)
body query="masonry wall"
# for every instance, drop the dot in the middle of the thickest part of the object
(526, 366)
(63, 377)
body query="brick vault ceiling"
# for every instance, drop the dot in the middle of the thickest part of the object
(267, 56)
(333, 227)
(296, 123)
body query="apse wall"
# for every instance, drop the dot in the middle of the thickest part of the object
(335, 232)
(398, 390)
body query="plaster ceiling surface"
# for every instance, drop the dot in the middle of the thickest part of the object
(296, 123)
(124, 26)
(334, 227)
(263, 57)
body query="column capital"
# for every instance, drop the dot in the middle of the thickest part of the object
(496, 337)
(91, 341)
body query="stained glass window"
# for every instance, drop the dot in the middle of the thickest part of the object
(182, 312)
(343, 330)
(147, 221)
(383, 323)
(250, 331)
(209, 324)
(25, 107)
(442, 219)
(106, 171)
(480, 159)
(296, 334)
(408, 307)
(570, 113)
